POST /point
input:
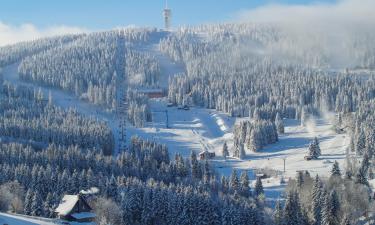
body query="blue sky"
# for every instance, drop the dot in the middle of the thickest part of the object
(106, 14)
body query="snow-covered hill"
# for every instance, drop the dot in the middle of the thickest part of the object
(200, 129)
(12, 219)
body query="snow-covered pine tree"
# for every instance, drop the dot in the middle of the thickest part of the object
(278, 214)
(336, 170)
(234, 183)
(317, 201)
(330, 210)
(196, 171)
(37, 205)
(245, 184)
(279, 124)
(300, 179)
(362, 173)
(292, 210)
(258, 189)
(255, 143)
(314, 149)
(225, 151)
(28, 202)
(360, 144)
(48, 206)
(316, 143)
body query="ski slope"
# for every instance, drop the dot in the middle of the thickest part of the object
(293, 146)
(200, 129)
(203, 129)
(189, 130)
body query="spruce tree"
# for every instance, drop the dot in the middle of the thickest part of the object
(318, 151)
(317, 201)
(225, 151)
(28, 202)
(278, 214)
(360, 145)
(37, 205)
(279, 124)
(314, 149)
(244, 180)
(336, 172)
(48, 206)
(300, 179)
(234, 182)
(361, 176)
(292, 210)
(258, 189)
(331, 207)
(196, 171)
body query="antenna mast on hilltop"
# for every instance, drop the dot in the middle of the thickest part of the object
(167, 13)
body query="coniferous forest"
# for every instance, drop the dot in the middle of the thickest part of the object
(48, 151)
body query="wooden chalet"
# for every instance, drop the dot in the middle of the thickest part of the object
(75, 208)
(206, 155)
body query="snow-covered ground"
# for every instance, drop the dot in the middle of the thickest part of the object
(189, 130)
(168, 68)
(203, 129)
(293, 146)
(12, 219)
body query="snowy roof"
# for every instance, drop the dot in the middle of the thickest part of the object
(67, 204)
(83, 215)
(206, 152)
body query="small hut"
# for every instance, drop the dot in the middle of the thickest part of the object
(206, 155)
(75, 208)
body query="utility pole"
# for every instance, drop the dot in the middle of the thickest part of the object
(284, 163)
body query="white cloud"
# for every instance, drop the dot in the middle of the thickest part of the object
(12, 34)
(332, 28)
(343, 11)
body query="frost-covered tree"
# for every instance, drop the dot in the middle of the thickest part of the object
(330, 210)
(336, 170)
(258, 189)
(28, 202)
(225, 151)
(48, 206)
(37, 205)
(279, 124)
(361, 143)
(245, 184)
(362, 173)
(292, 210)
(314, 149)
(317, 201)
(278, 214)
(234, 183)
